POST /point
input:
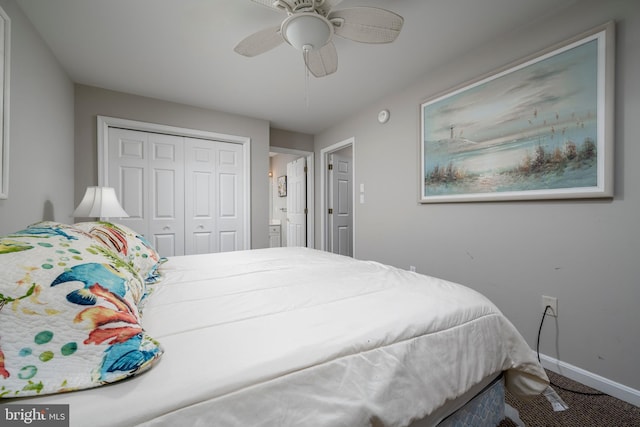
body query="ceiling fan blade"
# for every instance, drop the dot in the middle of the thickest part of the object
(260, 42)
(322, 62)
(366, 24)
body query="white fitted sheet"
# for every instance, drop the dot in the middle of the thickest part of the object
(296, 337)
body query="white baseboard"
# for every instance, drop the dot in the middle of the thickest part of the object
(612, 388)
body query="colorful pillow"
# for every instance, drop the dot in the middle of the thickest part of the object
(68, 313)
(129, 245)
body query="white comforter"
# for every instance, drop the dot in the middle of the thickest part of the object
(299, 337)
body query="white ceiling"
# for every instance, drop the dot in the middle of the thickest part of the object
(182, 51)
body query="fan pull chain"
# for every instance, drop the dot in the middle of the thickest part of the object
(305, 53)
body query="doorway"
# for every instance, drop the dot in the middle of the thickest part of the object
(281, 212)
(337, 192)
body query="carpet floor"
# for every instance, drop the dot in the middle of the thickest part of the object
(584, 411)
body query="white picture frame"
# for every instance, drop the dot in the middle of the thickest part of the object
(540, 128)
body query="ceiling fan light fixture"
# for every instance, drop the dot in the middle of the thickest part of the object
(307, 31)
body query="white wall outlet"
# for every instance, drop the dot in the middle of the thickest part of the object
(551, 302)
(412, 268)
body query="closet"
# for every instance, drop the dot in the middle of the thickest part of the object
(186, 195)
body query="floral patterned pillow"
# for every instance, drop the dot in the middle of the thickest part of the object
(68, 313)
(129, 245)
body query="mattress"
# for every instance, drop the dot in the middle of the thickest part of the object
(296, 336)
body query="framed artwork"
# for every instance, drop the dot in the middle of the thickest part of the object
(537, 129)
(5, 44)
(282, 186)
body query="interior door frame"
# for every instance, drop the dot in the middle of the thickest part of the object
(324, 191)
(105, 122)
(309, 155)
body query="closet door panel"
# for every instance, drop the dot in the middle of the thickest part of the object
(202, 181)
(126, 172)
(200, 163)
(166, 193)
(164, 184)
(202, 243)
(228, 241)
(230, 178)
(164, 243)
(228, 196)
(131, 188)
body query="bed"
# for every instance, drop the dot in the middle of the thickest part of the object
(264, 337)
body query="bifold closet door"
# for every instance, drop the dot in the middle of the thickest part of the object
(230, 197)
(166, 193)
(185, 195)
(147, 170)
(213, 196)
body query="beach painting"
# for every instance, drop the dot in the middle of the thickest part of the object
(539, 129)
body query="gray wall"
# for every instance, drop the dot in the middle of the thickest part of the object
(585, 253)
(291, 140)
(91, 102)
(41, 131)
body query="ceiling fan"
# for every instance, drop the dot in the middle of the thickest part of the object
(310, 26)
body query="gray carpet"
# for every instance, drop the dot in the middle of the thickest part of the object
(584, 411)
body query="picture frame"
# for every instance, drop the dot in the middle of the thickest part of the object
(5, 48)
(540, 128)
(282, 186)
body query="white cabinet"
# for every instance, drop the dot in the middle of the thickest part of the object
(274, 236)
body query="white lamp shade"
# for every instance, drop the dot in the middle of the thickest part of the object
(100, 202)
(307, 31)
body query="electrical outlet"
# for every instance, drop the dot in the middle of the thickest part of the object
(552, 302)
(412, 268)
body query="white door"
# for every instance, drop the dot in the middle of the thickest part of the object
(147, 171)
(166, 194)
(199, 206)
(127, 174)
(213, 196)
(341, 204)
(297, 203)
(230, 207)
